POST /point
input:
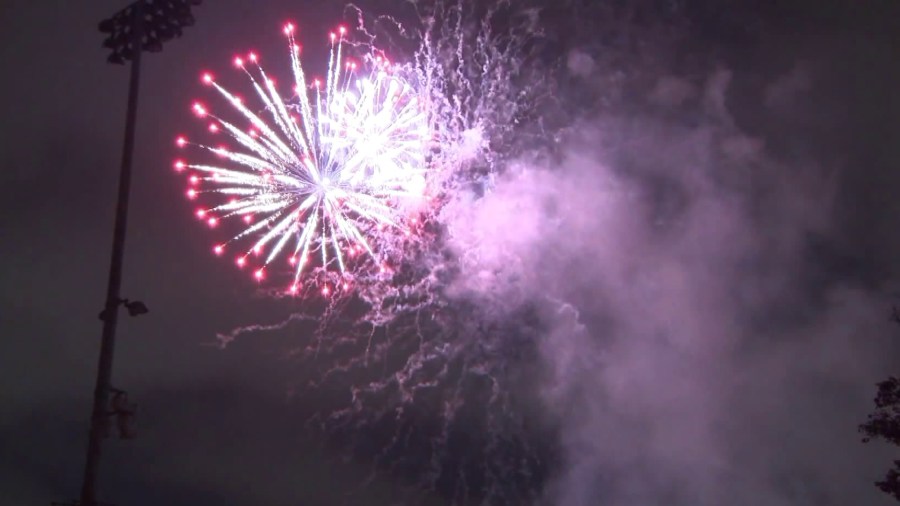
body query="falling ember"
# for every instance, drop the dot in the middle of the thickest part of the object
(319, 174)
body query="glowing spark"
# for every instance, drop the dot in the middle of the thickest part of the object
(320, 173)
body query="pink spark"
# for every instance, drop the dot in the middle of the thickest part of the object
(199, 110)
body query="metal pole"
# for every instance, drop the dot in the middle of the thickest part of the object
(99, 413)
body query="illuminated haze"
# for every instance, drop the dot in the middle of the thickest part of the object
(661, 275)
(696, 239)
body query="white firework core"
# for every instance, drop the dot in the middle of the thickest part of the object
(315, 175)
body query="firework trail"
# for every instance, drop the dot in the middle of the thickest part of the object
(316, 174)
(426, 375)
(559, 326)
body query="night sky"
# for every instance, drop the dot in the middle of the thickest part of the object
(703, 276)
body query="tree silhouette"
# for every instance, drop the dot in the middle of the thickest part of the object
(884, 423)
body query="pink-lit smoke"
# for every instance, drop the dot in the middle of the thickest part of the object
(701, 350)
(676, 221)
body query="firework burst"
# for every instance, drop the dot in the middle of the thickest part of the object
(407, 350)
(322, 176)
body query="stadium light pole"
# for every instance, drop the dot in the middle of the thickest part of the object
(141, 26)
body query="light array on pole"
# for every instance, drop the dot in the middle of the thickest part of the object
(162, 21)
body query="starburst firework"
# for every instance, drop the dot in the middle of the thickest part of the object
(328, 172)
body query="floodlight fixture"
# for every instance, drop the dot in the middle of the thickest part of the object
(161, 21)
(135, 307)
